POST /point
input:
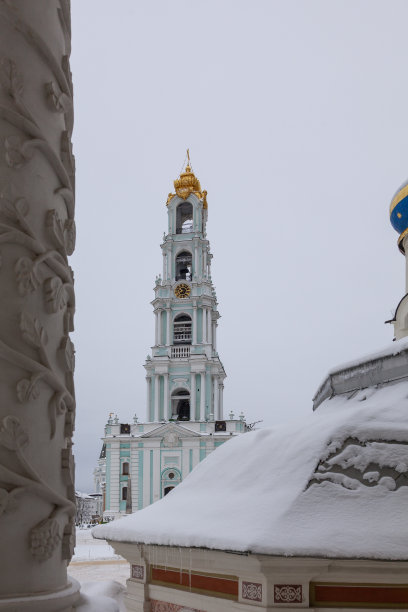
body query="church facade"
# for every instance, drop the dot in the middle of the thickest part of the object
(143, 461)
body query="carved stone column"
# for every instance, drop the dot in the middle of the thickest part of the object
(37, 233)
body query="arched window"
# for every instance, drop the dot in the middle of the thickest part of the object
(124, 493)
(184, 218)
(182, 329)
(184, 266)
(170, 478)
(180, 405)
(125, 469)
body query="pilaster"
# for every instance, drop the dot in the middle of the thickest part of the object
(193, 395)
(202, 396)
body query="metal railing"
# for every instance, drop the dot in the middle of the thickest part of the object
(180, 352)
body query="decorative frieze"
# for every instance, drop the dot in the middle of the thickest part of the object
(287, 593)
(138, 572)
(251, 591)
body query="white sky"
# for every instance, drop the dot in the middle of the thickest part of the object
(295, 113)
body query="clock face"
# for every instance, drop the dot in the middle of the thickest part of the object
(182, 290)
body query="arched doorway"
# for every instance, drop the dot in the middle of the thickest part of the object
(180, 405)
(170, 478)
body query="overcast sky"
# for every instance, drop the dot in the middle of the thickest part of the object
(295, 113)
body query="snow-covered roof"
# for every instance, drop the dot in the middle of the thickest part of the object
(83, 495)
(393, 348)
(383, 366)
(333, 485)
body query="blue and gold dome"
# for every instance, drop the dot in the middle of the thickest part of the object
(399, 214)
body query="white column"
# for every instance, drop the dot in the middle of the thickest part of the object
(221, 404)
(168, 327)
(159, 328)
(216, 398)
(204, 311)
(214, 335)
(168, 260)
(156, 397)
(202, 396)
(164, 265)
(148, 397)
(209, 327)
(205, 262)
(193, 397)
(156, 328)
(194, 324)
(166, 396)
(196, 269)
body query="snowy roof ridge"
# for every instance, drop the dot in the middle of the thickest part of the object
(355, 372)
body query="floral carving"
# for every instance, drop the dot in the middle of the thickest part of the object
(17, 151)
(57, 100)
(67, 352)
(63, 233)
(14, 210)
(28, 389)
(45, 536)
(12, 435)
(33, 332)
(68, 540)
(8, 501)
(44, 539)
(55, 295)
(26, 274)
(10, 79)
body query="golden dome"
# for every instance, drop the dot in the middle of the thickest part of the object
(186, 184)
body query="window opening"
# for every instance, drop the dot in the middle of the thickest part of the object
(180, 405)
(184, 218)
(184, 266)
(125, 469)
(124, 493)
(167, 490)
(182, 329)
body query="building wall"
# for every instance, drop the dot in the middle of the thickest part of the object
(149, 455)
(174, 579)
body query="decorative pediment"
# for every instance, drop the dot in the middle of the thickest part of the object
(171, 433)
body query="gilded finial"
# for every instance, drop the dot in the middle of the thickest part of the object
(188, 183)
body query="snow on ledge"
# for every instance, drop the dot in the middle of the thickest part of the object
(304, 490)
(394, 348)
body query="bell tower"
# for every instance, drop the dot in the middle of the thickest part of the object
(143, 461)
(185, 377)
